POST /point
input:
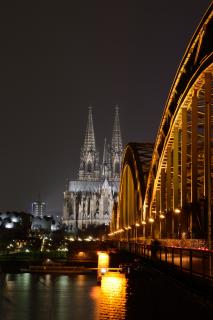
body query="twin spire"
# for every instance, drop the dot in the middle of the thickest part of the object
(89, 141)
(90, 168)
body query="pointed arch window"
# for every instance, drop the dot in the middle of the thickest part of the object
(89, 167)
(117, 168)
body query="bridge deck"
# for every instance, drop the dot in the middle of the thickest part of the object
(159, 296)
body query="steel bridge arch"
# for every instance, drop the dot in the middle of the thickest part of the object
(180, 177)
(177, 201)
(135, 169)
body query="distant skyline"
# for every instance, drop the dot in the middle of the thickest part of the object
(57, 58)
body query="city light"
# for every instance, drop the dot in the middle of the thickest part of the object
(103, 270)
(81, 254)
(9, 225)
(103, 260)
(177, 210)
(103, 264)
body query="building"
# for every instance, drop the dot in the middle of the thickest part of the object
(39, 208)
(89, 199)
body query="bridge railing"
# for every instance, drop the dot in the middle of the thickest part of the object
(197, 262)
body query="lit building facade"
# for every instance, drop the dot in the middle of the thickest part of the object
(89, 199)
(39, 208)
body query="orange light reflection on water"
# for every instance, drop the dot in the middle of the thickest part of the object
(113, 296)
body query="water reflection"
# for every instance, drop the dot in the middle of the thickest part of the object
(48, 297)
(57, 297)
(113, 296)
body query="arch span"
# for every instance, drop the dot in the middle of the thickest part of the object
(174, 198)
(135, 169)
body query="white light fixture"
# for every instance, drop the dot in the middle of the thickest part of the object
(162, 216)
(177, 210)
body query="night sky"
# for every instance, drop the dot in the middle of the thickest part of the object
(56, 59)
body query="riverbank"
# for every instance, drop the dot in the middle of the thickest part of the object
(88, 259)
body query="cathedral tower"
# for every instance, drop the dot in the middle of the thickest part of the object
(89, 158)
(116, 147)
(89, 199)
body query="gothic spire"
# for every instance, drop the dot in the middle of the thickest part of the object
(116, 134)
(105, 152)
(89, 157)
(89, 141)
(105, 168)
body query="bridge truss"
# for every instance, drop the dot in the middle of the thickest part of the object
(166, 190)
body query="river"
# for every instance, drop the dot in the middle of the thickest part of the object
(27, 296)
(153, 295)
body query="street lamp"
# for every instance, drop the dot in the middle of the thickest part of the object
(143, 222)
(161, 216)
(177, 212)
(151, 220)
(136, 231)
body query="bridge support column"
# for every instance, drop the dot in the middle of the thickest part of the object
(194, 154)
(184, 158)
(162, 190)
(207, 148)
(168, 193)
(175, 178)
(158, 212)
(168, 179)
(183, 170)
(162, 194)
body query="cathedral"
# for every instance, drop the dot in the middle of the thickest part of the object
(89, 199)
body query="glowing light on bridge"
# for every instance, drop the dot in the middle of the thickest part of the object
(177, 210)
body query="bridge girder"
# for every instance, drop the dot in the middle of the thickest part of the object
(135, 169)
(175, 197)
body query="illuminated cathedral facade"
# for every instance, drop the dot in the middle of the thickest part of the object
(89, 199)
